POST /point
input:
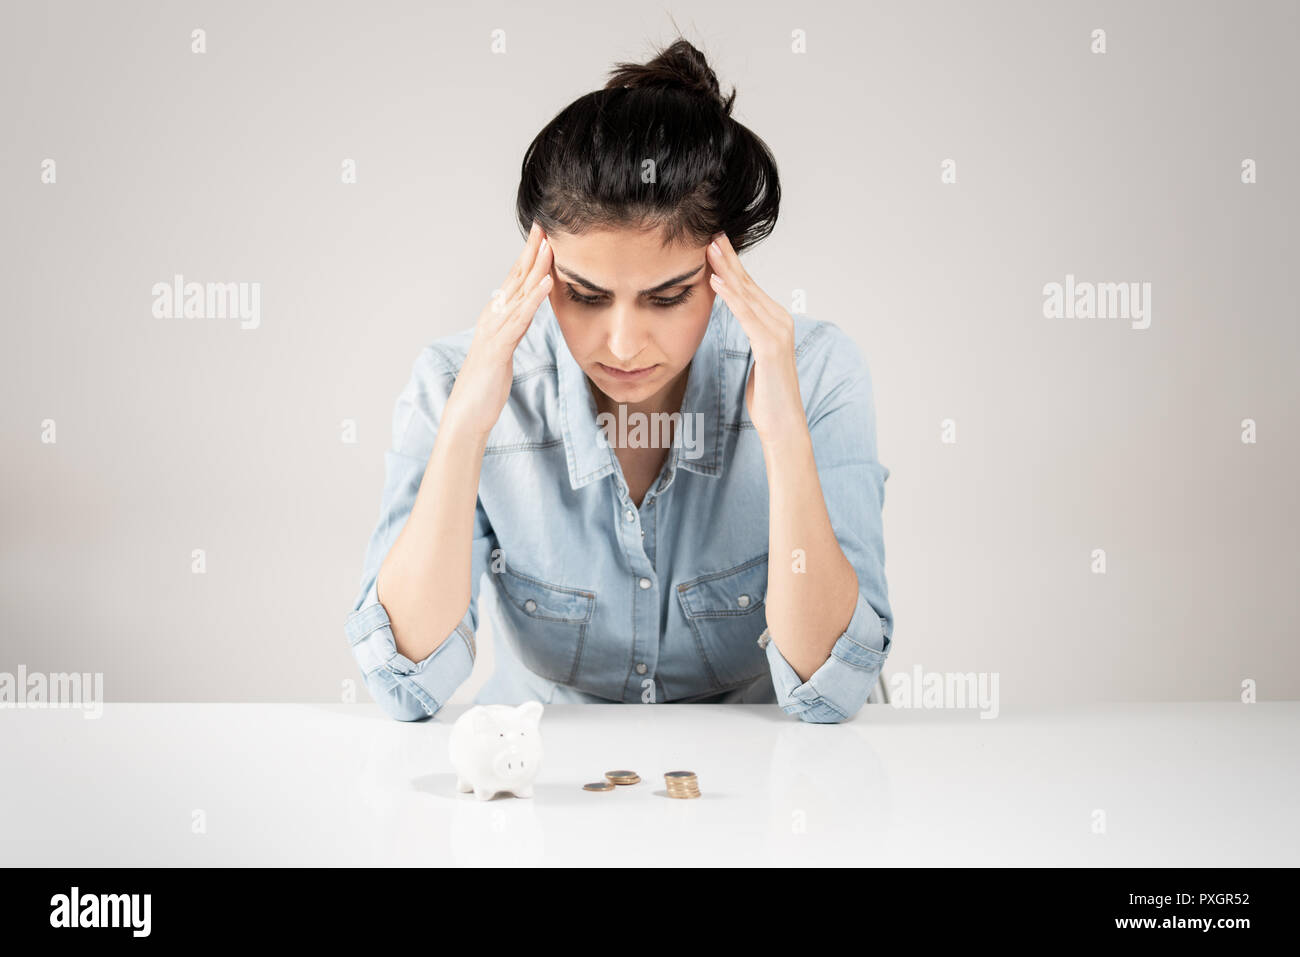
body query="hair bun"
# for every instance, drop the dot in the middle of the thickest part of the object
(679, 67)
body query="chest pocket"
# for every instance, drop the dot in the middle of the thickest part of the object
(726, 614)
(549, 623)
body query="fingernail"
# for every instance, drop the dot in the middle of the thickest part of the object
(716, 278)
(716, 247)
(542, 246)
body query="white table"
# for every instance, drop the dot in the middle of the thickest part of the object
(1203, 784)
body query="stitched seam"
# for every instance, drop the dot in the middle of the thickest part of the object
(528, 374)
(727, 612)
(704, 657)
(413, 687)
(537, 581)
(363, 637)
(469, 639)
(852, 664)
(853, 641)
(522, 447)
(802, 347)
(577, 655)
(715, 575)
(823, 701)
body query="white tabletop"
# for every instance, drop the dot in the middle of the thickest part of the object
(1203, 784)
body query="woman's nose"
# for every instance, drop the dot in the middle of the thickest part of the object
(626, 337)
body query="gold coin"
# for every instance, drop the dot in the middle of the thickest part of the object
(598, 786)
(622, 777)
(682, 784)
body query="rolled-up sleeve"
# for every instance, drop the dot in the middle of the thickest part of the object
(842, 423)
(404, 689)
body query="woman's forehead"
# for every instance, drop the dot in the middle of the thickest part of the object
(625, 260)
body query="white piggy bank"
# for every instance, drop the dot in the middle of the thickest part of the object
(495, 747)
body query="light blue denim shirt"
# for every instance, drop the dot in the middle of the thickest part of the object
(597, 600)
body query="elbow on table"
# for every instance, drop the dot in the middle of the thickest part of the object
(394, 700)
(824, 707)
(822, 711)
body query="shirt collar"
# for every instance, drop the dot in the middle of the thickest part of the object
(589, 458)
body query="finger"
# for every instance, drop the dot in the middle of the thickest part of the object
(539, 267)
(505, 305)
(522, 317)
(529, 252)
(527, 256)
(729, 262)
(735, 286)
(754, 328)
(727, 265)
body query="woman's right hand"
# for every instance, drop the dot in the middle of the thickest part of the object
(483, 383)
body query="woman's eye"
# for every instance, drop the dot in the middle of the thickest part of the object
(578, 297)
(657, 300)
(675, 300)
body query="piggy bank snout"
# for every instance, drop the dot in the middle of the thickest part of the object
(514, 762)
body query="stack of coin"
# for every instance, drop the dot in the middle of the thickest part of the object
(622, 777)
(682, 784)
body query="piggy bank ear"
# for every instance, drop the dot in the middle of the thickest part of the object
(530, 712)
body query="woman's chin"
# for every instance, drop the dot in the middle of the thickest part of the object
(626, 394)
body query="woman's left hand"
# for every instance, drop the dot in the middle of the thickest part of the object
(772, 393)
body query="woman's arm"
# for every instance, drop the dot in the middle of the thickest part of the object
(826, 604)
(406, 689)
(812, 588)
(424, 582)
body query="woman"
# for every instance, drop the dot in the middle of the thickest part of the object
(671, 482)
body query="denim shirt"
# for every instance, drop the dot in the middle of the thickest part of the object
(615, 603)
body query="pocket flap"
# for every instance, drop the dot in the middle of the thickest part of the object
(736, 591)
(539, 599)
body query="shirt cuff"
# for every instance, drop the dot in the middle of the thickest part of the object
(840, 687)
(406, 690)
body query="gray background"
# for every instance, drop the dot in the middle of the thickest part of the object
(1071, 434)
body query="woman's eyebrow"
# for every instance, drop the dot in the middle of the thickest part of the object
(645, 292)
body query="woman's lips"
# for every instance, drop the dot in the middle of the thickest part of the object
(625, 375)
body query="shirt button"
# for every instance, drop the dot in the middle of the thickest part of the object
(641, 668)
(743, 601)
(644, 583)
(630, 515)
(530, 605)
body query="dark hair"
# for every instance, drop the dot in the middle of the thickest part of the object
(584, 170)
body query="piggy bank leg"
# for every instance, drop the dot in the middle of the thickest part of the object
(525, 792)
(483, 794)
(462, 785)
